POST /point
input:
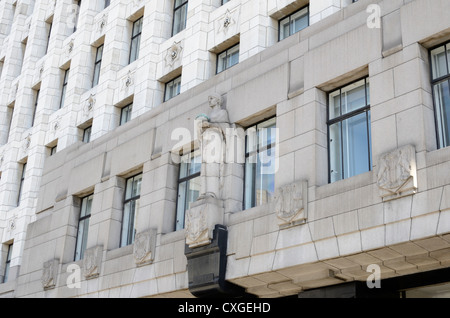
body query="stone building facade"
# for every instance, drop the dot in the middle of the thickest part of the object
(194, 148)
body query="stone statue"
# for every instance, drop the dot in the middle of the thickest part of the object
(211, 132)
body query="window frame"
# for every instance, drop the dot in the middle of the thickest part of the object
(85, 219)
(129, 109)
(181, 180)
(289, 16)
(434, 82)
(97, 66)
(175, 9)
(126, 200)
(168, 83)
(22, 180)
(256, 151)
(64, 88)
(226, 56)
(341, 118)
(135, 40)
(85, 130)
(36, 101)
(7, 263)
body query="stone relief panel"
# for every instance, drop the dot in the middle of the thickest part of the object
(92, 262)
(291, 202)
(49, 274)
(144, 247)
(397, 174)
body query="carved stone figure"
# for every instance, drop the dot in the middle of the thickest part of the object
(196, 226)
(397, 174)
(211, 133)
(49, 274)
(291, 203)
(144, 247)
(92, 261)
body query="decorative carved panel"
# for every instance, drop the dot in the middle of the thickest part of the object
(291, 203)
(397, 175)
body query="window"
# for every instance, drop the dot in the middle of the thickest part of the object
(87, 134)
(172, 88)
(7, 263)
(48, 36)
(77, 3)
(22, 179)
(107, 3)
(188, 185)
(36, 100)
(179, 16)
(225, 1)
(132, 195)
(53, 150)
(260, 163)
(349, 136)
(125, 114)
(64, 87)
(293, 23)
(83, 226)
(440, 81)
(135, 40)
(227, 58)
(97, 65)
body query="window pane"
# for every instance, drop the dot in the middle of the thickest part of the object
(179, 18)
(438, 62)
(128, 223)
(335, 152)
(125, 115)
(265, 177)
(251, 140)
(284, 28)
(221, 62)
(353, 97)
(98, 56)
(233, 56)
(86, 205)
(133, 187)
(82, 234)
(173, 88)
(193, 191)
(267, 133)
(355, 145)
(299, 20)
(334, 104)
(250, 172)
(442, 105)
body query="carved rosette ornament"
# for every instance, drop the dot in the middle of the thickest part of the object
(92, 262)
(225, 22)
(49, 274)
(173, 54)
(291, 204)
(397, 173)
(144, 247)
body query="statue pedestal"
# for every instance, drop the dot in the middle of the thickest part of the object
(201, 220)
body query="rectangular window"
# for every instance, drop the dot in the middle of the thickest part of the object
(87, 134)
(188, 185)
(135, 40)
(7, 263)
(97, 65)
(83, 226)
(77, 4)
(172, 88)
(260, 163)
(53, 150)
(179, 16)
(36, 100)
(107, 3)
(227, 58)
(125, 114)
(64, 87)
(48, 36)
(22, 179)
(440, 81)
(132, 195)
(293, 23)
(349, 133)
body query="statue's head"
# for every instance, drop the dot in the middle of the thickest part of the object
(215, 100)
